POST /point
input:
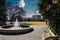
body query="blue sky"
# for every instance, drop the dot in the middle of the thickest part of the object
(30, 5)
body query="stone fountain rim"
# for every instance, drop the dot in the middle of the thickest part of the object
(15, 29)
(16, 32)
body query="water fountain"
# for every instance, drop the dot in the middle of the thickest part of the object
(15, 29)
(16, 25)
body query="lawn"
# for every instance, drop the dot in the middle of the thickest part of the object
(33, 23)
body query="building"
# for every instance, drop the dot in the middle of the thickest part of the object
(37, 17)
(34, 18)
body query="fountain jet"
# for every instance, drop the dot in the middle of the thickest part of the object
(16, 25)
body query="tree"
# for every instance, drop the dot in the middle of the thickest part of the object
(51, 12)
(58, 18)
(48, 10)
(14, 16)
(2, 12)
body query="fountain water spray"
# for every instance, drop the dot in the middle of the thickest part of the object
(16, 25)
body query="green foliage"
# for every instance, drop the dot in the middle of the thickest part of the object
(52, 15)
(49, 13)
(58, 19)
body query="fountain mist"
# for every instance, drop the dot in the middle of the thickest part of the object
(16, 25)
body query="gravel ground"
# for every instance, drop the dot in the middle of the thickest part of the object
(37, 34)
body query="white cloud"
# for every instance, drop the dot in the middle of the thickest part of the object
(21, 3)
(37, 13)
(28, 15)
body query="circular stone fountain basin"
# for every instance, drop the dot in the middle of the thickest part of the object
(9, 26)
(15, 29)
(9, 31)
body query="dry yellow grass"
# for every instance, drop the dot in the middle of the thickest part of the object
(33, 23)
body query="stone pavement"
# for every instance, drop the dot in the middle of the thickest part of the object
(48, 33)
(37, 34)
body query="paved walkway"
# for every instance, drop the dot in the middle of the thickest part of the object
(37, 34)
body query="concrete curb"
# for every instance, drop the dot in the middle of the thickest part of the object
(51, 33)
